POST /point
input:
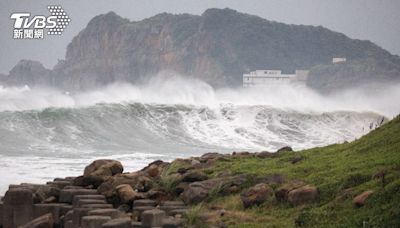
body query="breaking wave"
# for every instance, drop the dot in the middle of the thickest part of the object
(47, 133)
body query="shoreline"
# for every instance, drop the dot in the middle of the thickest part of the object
(351, 181)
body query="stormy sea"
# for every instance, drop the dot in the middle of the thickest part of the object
(47, 133)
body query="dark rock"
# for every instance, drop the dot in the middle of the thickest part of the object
(183, 170)
(199, 191)
(265, 154)
(272, 179)
(158, 195)
(59, 184)
(137, 180)
(1, 213)
(359, 200)
(181, 187)
(242, 154)
(302, 195)
(296, 159)
(281, 193)
(256, 195)
(126, 193)
(94, 181)
(195, 175)
(284, 149)
(209, 156)
(103, 167)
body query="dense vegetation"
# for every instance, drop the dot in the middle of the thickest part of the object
(340, 171)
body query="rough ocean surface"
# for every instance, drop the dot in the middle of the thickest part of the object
(40, 145)
(46, 133)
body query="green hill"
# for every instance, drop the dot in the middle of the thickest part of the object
(340, 172)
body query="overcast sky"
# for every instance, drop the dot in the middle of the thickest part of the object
(375, 20)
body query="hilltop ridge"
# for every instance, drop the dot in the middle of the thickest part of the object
(216, 47)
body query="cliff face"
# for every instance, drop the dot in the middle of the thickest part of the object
(28, 72)
(367, 73)
(217, 47)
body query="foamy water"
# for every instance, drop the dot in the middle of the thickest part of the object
(46, 134)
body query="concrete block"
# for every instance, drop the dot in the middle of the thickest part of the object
(97, 206)
(44, 221)
(94, 221)
(113, 213)
(82, 202)
(144, 202)
(79, 197)
(53, 208)
(77, 214)
(118, 223)
(17, 207)
(67, 195)
(69, 224)
(152, 218)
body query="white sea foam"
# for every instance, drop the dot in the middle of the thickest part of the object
(178, 90)
(46, 133)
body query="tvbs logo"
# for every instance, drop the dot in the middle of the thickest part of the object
(27, 26)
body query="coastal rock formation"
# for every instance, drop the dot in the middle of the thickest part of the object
(256, 195)
(359, 200)
(103, 168)
(159, 195)
(216, 47)
(302, 195)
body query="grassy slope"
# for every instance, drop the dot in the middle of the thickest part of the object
(331, 169)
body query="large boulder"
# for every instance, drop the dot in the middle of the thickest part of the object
(155, 168)
(302, 195)
(127, 194)
(265, 154)
(281, 193)
(103, 167)
(193, 176)
(284, 149)
(359, 200)
(256, 195)
(200, 190)
(137, 180)
(94, 181)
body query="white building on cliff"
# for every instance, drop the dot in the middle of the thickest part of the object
(272, 77)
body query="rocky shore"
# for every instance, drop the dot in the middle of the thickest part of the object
(159, 195)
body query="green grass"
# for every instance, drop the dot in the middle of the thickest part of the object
(332, 169)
